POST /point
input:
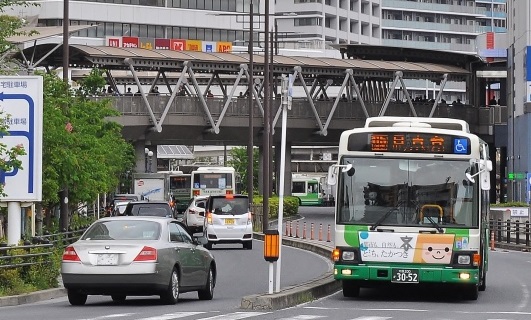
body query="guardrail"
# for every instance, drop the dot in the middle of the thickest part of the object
(511, 232)
(36, 251)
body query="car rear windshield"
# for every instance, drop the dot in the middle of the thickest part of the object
(123, 230)
(236, 205)
(151, 209)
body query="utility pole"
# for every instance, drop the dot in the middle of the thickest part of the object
(267, 124)
(63, 196)
(250, 146)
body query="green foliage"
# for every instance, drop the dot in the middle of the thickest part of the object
(510, 204)
(291, 205)
(90, 157)
(240, 162)
(41, 274)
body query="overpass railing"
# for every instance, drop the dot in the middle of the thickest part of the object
(347, 110)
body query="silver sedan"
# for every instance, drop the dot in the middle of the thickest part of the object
(121, 256)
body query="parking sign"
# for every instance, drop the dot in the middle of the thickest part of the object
(21, 103)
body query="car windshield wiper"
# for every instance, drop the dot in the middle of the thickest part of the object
(377, 223)
(435, 224)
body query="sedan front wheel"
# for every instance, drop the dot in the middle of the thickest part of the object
(207, 293)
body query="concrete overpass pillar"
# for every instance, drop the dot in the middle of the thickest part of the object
(287, 169)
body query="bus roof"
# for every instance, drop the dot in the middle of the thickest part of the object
(422, 122)
(214, 169)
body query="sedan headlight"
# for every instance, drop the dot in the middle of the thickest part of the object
(348, 256)
(463, 259)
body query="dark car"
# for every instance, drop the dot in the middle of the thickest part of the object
(148, 208)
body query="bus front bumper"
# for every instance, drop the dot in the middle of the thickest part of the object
(424, 274)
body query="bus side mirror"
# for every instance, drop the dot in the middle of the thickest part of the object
(332, 172)
(332, 176)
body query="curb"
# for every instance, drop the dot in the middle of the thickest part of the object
(32, 297)
(295, 295)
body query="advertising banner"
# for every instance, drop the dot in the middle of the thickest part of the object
(177, 44)
(130, 42)
(162, 44)
(194, 45)
(224, 46)
(209, 46)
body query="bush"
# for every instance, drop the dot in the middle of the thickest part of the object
(41, 275)
(291, 205)
(510, 204)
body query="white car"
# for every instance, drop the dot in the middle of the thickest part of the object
(228, 220)
(194, 215)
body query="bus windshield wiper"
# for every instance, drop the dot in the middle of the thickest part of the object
(379, 221)
(437, 226)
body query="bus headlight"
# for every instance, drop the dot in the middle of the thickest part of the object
(463, 259)
(348, 256)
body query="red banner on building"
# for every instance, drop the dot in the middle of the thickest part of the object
(162, 44)
(177, 44)
(130, 42)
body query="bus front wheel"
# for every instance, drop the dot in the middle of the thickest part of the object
(471, 292)
(351, 289)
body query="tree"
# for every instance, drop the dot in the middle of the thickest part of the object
(82, 150)
(239, 161)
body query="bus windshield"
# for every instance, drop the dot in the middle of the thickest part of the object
(212, 180)
(408, 192)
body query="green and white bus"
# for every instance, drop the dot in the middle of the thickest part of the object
(307, 188)
(412, 205)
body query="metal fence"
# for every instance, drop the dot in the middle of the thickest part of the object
(511, 232)
(36, 251)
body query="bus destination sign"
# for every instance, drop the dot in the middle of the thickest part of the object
(411, 142)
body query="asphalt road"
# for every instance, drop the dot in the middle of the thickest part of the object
(507, 296)
(241, 273)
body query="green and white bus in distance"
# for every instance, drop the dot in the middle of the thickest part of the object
(307, 188)
(412, 205)
(180, 185)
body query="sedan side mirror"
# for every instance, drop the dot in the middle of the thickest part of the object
(199, 238)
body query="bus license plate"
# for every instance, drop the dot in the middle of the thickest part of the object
(405, 275)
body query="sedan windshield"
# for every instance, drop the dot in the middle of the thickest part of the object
(402, 192)
(123, 230)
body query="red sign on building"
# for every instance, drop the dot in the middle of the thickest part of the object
(163, 44)
(130, 42)
(177, 44)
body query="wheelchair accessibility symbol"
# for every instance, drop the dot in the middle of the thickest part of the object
(460, 146)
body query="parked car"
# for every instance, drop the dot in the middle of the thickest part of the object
(194, 215)
(148, 208)
(228, 220)
(137, 256)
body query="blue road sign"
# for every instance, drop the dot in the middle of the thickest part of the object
(21, 102)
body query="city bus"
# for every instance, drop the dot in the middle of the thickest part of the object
(214, 181)
(307, 188)
(412, 204)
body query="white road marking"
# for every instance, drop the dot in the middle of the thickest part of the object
(302, 317)
(525, 298)
(110, 316)
(235, 316)
(372, 318)
(170, 316)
